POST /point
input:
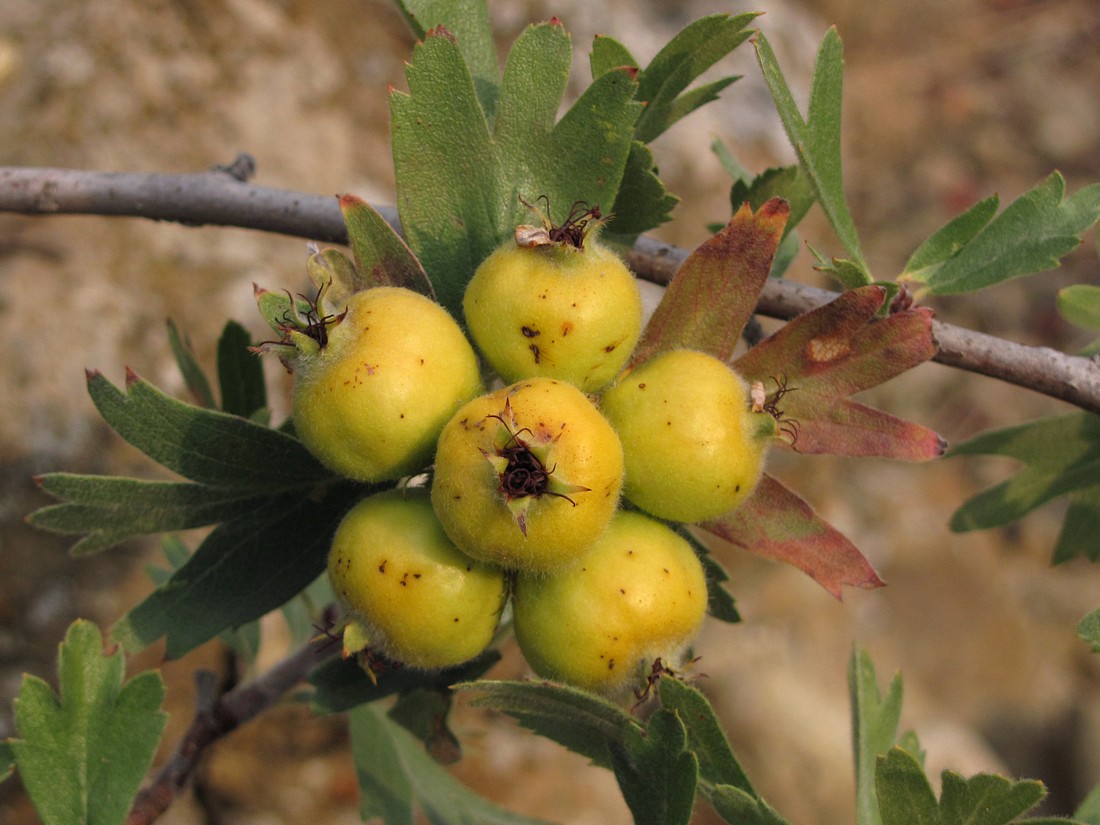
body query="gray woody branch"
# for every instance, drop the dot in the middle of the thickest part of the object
(223, 197)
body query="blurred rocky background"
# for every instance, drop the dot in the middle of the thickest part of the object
(946, 101)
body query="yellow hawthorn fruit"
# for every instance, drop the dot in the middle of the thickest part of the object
(370, 401)
(638, 594)
(693, 446)
(424, 602)
(563, 306)
(527, 477)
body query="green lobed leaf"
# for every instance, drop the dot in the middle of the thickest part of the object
(583, 722)
(1089, 809)
(874, 729)
(1062, 456)
(382, 258)
(246, 567)
(713, 294)
(468, 21)
(946, 242)
(777, 524)
(193, 376)
(240, 373)
(460, 180)
(1032, 234)
(82, 754)
(395, 772)
(904, 795)
(787, 182)
(683, 59)
(110, 509)
(656, 773)
(341, 684)
(423, 713)
(816, 140)
(1089, 630)
(643, 202)
(608, 54)
(834, 351)
(986, 799)
(740, 808)
(717, 764)
(203, 445)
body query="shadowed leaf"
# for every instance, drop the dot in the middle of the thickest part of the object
(777, 524)
(874, 729)
(715, 291)
(838, 349)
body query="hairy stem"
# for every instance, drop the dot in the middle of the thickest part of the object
(222, 197)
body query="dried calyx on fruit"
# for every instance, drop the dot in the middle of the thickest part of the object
(377, 374)
(527, 477)
(555, 302)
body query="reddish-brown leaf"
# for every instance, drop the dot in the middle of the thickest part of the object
(841, 348)
(714, 293)
(777, 524)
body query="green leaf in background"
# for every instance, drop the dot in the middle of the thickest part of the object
(247, 567)
(691, 52)
(7, 760)
(1080, 304)
(717, 764)
(240, 373)
(787, 182)
(382, 258)
(643, 202)
(468, 21)
(342, 684)
(396, 773)
(655, 771)
(111, 509)
(816, 140)
(946, 242)
(720, 603)
(581, 721)
(904, 795)
(1089, 810)
(82, 755)
(460, 174)
(739, 808)
(203, 445)
(1032, 234)
(1062, 456)
(193, 376)
(1089, 630)
(874, 728)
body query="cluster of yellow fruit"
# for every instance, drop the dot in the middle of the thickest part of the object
(526, 481)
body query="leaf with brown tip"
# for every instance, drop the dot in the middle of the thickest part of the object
(714, 293)
(381, 257)
(839, 349)
(777, 524)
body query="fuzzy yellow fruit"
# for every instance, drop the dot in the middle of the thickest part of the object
(527, 477)
(639, 593)
(556, 311)
(693, 447)
(425, 603)
(371, 401)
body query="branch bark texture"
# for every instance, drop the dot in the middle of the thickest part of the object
(223, 197)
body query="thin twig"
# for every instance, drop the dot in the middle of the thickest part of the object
(222, 197)
(217, 717)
